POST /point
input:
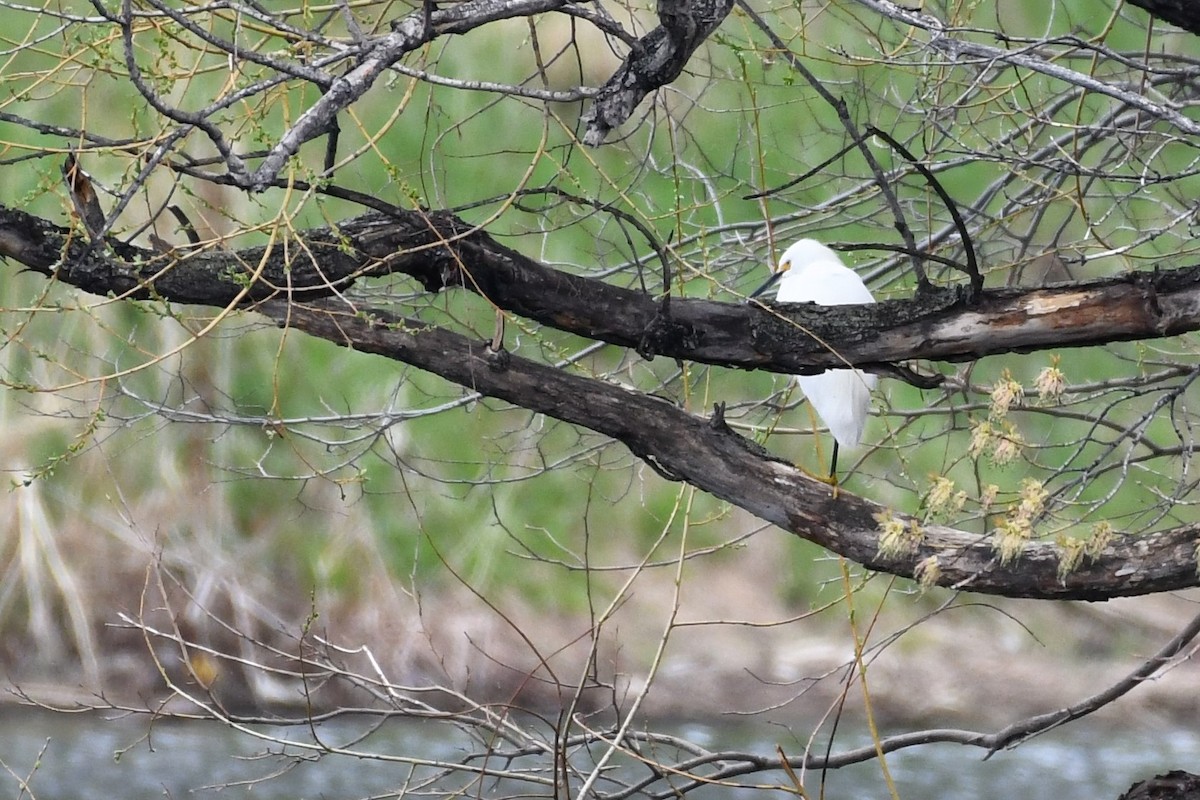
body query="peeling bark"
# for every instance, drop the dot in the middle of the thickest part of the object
(710, 456)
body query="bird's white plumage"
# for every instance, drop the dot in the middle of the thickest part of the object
(841, 397)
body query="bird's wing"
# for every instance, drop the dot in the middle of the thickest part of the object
(830, 284)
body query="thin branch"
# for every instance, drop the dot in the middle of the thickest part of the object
(382, 53)
(943, 40)
(857, 138)
(738, 764)
(972, 268)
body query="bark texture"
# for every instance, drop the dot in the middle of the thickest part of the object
(441, 250)
(1173, 785)
(656, 60)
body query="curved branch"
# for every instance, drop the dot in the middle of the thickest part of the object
(656, 60)
(735, 765)
(858, 140)
(712, 457)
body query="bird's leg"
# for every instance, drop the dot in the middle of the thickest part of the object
(833, 478)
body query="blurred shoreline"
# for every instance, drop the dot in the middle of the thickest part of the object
(735, 653)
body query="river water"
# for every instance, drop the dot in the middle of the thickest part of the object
(73, 757)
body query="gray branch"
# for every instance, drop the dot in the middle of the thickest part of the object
(941, 39)
(380, 54)
(297, 286)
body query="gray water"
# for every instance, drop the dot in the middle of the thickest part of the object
(72, 757)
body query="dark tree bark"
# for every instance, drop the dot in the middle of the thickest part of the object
(437, 248)
(1173, 785)
(441, 250)
(1182, 13)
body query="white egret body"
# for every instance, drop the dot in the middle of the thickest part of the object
(811, 272)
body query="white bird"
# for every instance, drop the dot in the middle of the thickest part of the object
(811, 272)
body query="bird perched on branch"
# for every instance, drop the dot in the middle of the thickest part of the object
(809, 272)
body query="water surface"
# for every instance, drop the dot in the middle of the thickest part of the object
(72, 757)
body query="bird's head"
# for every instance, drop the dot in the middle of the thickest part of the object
(800, 254)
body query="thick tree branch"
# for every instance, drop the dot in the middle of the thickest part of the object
(712, 457)
(441, 250)
(1182, 13)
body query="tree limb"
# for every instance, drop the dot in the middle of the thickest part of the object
(441, 250)
(656, 60)
(712, 457)
(1181, 13)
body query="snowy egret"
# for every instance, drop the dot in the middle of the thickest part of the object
(811, 272)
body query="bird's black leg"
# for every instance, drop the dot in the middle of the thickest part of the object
(833, 478)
